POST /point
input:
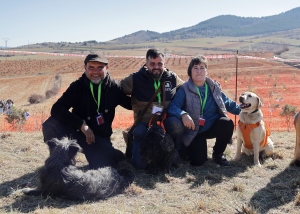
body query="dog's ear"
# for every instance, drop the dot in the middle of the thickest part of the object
(259, 103)
(73, 149)
(52, 144)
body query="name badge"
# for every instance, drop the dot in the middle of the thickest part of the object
(201, 121)
(100, 119)
(157, 108)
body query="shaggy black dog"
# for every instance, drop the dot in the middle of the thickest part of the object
(60, 177)
(158, 150)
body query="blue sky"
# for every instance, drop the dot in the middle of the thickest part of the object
(25, 22)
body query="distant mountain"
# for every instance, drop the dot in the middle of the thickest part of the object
(138, 36)
(223, 25)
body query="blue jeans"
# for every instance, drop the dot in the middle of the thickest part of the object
(172, 125)
(99, 154)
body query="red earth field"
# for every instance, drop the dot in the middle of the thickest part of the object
(276, 83)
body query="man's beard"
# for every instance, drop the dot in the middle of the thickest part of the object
(156, 75)
(96, 81)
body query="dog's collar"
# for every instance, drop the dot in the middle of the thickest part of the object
(256, 110)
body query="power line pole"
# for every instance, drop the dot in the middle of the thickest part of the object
(6, 39)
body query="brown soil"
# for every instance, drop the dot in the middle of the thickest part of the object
(276, 83)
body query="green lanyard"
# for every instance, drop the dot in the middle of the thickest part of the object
(202, 104)
(99, 94)
(156, 86)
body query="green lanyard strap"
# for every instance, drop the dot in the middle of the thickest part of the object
(202, 104)
(99, 94)
(156, 86)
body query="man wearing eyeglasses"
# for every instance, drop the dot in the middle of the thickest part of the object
(142, 85)
(92, 100)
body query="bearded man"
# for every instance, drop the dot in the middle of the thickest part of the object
(86, 110)
(142, 85)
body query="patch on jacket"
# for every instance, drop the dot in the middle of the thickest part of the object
(168, 86)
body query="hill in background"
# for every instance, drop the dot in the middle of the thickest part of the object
(224, 25)
(279, 34)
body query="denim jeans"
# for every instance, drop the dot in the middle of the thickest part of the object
(172, 125)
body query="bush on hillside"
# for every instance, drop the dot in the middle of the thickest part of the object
(52, 92)
(36, 98)
(288, 111)
(16, 117)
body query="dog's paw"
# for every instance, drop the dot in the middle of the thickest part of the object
(31, 191)
(237, 158)
(257, 164)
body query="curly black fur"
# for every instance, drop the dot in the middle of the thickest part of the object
(158, 150)
(60, 177)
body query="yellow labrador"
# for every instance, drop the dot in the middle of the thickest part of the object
(252, 135)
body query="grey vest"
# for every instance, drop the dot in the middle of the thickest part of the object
(192, 105)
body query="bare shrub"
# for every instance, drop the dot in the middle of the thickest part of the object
(16, 117)
(288, 111)
(55, 87)
(283, 49)
(52, 92)
(36, 98)
(57, 81)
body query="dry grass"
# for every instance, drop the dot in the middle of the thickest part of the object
(241, 188)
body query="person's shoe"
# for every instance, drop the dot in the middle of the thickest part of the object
(177, 164)
(221, 160)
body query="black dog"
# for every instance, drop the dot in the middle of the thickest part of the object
(60, 177)
(158, 150)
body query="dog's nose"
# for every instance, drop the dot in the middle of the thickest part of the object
(241, 99)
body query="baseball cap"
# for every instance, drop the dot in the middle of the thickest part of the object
(95, 58)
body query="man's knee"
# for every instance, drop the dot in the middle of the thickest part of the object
(226, 123)
(174, 125)
(230, 126)
(139, 131)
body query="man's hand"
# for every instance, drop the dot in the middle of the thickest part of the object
(89, 134)
(188, 121)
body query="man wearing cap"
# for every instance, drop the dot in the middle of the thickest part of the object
(93, 99)
(141, 86)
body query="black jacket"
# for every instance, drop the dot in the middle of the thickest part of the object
(140, 85)
(84, 107)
